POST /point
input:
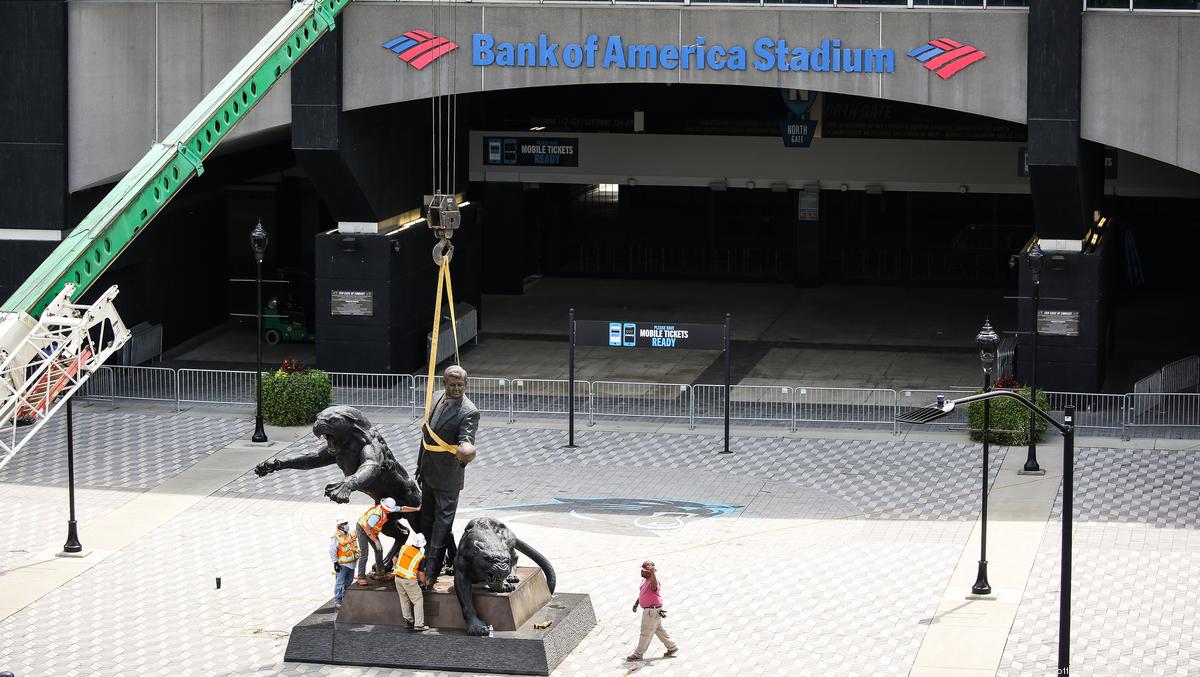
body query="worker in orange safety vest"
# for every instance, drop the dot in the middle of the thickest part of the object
(409, 578)
(367, 529)
(343, 550)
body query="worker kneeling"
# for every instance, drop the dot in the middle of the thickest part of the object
(367, 530)
(409, 579)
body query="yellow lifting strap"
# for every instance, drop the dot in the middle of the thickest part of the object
(443, 283)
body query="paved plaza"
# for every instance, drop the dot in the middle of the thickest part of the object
(836, 555)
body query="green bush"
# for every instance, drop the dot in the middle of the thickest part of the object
(1009, 420)
(295, 397)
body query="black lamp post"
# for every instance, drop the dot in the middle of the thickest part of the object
(72, 546)
(258, 242)
(1035, 267)
(944, 407)
(987, 341)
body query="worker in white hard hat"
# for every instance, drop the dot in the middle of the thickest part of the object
(408, 578)
(343, 550)
(368, 528)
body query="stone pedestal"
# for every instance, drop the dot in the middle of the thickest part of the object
(378, 603)
(369, 630)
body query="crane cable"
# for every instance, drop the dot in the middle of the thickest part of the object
(443, 127)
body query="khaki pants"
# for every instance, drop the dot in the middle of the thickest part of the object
(412, 604)
(652, 626)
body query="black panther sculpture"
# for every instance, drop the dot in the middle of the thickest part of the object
(363, 456)
(487, 554)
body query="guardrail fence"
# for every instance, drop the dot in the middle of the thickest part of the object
(782, 406)
(212, 386)
(388, 391)
(765, 404)
(624, 399)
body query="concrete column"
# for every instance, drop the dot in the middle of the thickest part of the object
(33, 138)
(1066, 182)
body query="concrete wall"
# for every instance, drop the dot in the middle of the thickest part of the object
(899, 165)
(135, 69)
(994, 86)
(1141, 85)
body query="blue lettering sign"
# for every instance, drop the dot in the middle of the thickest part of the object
(829, 56)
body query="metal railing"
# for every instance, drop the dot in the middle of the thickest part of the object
(211, 386)
(1181, 376)
(1006, 356)
(771, 406)
(858, 406)
(388, 391)
(548, 397)
(1162, 410)
(1094, 412)
(621, 399)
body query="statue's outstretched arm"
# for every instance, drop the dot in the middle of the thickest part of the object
(365, 476)
(300, 460)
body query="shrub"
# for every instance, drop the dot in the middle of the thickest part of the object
(295, 394)
(1009, 419)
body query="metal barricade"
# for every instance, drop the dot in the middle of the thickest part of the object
(1093, 411)
(769, 404)
(99, 386)
(624, 399)
(156, 384)
(1006, 357)
(491, 395)
(1150, 384)
(856, 406)
(1181, 376)
(547, 397)
(209, 386)
(1162, 410)
(389, 391)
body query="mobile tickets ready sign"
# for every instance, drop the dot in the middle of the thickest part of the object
(649, 335)
(523, 151)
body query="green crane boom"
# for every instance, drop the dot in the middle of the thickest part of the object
(134, 202)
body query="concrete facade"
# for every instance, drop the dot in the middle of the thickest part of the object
(135, 68)
(373, 76)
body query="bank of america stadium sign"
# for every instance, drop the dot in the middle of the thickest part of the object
(613, 52)
(943, 56)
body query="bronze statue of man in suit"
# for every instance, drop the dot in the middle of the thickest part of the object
(447, 446)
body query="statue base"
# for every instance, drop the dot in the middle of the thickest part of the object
(369, 629)
(378, 603)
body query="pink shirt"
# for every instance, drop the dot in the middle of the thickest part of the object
(648, 597)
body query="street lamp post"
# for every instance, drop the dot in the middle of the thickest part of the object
(944, 407)
(72, 546)
(1035, 268)
(987, 340)
(258, 242)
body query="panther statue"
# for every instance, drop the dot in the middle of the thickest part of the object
(487, 554)
(363, 456)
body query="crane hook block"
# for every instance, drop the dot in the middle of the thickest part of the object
(443, 216)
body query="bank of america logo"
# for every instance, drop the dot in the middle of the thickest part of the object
(946, 57)
(419, 48)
